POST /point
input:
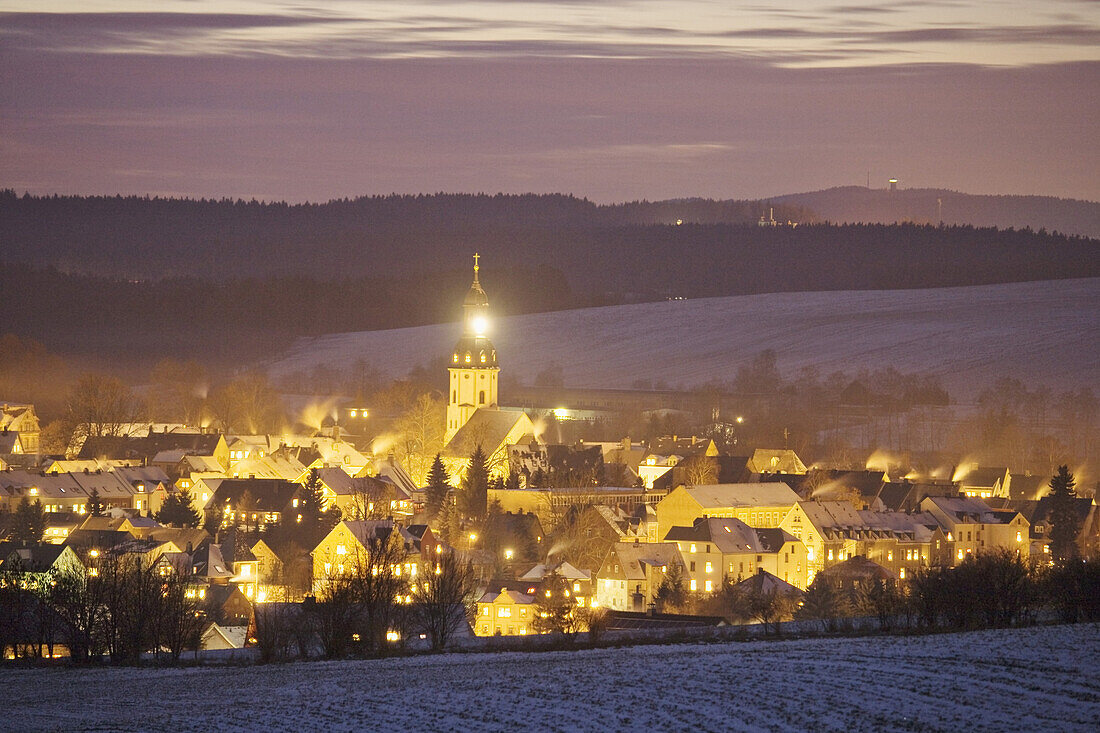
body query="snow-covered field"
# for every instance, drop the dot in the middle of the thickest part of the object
(1035, 679)
(1040, 332)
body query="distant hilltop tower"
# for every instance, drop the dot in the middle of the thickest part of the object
(474, 369)
(893, 184)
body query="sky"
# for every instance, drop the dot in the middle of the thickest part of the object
(616, 100)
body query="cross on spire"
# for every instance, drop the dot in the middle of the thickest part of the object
(476, 258)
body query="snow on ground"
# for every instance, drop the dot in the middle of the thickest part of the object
(1039, 332)
(1034, 679)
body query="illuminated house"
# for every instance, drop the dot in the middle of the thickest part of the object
(835, 531)
(714, 548)
(473, 415)
(664, 454)
(984, 482)
(757, 505)
(776, 461)
(632, 572)
(505, 613)
(21, 421)
(578, 582)
(972, 526)
(345, 549)
(251, 502)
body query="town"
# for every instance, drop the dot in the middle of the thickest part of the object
(155, 538)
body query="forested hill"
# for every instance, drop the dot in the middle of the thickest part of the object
(931, 206)
(153, 237)
(606, 254)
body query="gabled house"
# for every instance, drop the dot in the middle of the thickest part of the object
(986, 482)
(755, 504)
(251, 502)
(665, 454)
(765, 460)
(505, 613)
(835, 531)
(579, 583)
(1088, 518)
(632, 572)
(346, 549)
(973, 527)
(716, 548)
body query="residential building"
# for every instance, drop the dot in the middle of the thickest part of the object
(716, 548)
(757, 505)
(632, 572)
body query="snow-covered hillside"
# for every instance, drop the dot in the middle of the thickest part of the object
(1034, 679)
(1040, 332)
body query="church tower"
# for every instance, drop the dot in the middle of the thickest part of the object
(474, 369)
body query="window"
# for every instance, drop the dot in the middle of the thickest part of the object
(481, 397)
(695, 585)
(454, 396)
(692, 549)
(504, 612)
(708, 586)
(341, 550)
(710, 569)
(693, 570)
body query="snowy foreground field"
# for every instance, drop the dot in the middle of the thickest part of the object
(1040, 332)
(1036, 679)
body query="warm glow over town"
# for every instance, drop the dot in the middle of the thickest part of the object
(444, 365)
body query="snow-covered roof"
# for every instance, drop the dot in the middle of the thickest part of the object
(714, 496)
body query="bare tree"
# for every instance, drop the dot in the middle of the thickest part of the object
(443, 597)
(100, 406)
(419, 435)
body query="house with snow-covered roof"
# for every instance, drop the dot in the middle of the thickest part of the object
(505, 613)
(835, 531)
(756, 504)
(716, 548)
(632, 572)
(972, 526)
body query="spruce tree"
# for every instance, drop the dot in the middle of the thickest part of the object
(95, 506)
(439, 487)
(1063, 515)
(475, 484)
(177, 510)
(29, 522)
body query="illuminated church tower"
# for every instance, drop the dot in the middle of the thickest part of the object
(474, 369)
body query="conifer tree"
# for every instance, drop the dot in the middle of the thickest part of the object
(1063, 515)
(29, 521)
(439, 487)
(95, 506)
(475, 485)
(178, 510)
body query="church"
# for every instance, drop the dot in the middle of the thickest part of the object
(474, 416)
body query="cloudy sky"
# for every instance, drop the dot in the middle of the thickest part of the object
(614, 100)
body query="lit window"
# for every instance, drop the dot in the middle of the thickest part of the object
(341, 550)
(246, 571)
(328, 567)
(901, 573)
(294, 503)
(710, 569)
(576, 587)
(692, 547)
(467, 358)
(708, 586)
(694, 584)
(504, 612)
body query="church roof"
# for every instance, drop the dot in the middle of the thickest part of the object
(475, 295)
(487, 428)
